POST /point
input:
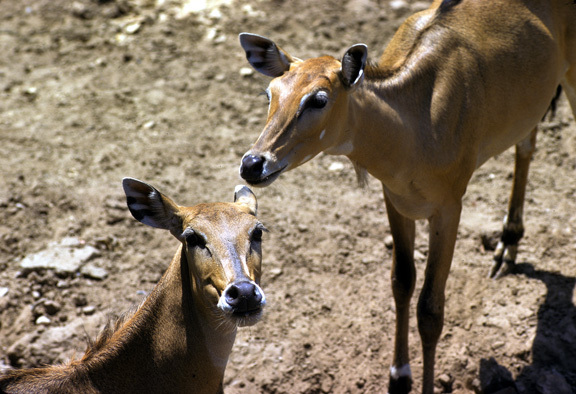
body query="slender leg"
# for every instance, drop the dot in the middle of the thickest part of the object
(403, 278)
(443, 231)
(569, 87)
(505, 254)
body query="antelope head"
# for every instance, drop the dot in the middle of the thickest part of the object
(307, 106)
(221, 244)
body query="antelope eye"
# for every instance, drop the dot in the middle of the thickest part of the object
(194, 240)
(257, 235)
(318, 100)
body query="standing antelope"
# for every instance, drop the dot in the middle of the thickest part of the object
(180, 339)
(458, 83)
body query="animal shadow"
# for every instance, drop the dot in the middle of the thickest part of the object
(553, 368)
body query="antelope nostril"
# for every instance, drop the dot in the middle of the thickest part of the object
(232, 295)
(252, 167)
(243, 297)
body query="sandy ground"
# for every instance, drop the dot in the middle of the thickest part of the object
(92, 91)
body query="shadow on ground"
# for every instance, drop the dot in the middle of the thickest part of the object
(553, 368)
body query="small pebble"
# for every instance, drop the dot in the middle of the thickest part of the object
(89, 310)
(389, 242)
(246, 71)
(43, 321)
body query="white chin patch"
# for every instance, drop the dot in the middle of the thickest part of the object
(403, 371)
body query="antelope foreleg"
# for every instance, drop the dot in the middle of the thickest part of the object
(505, 254)
(403, 277)
(443, 230)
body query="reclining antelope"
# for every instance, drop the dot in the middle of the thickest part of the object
(180, 338)
(458, 83)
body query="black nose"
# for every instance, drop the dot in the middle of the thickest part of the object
(243, 297)
(252, 167)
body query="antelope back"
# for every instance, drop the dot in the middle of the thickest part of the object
(221, 243)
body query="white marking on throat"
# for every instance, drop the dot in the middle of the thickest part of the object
(322, 134)
(219, 345)
(403, 371)
(343, 149)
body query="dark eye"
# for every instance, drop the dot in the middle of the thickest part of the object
(257, 235)
(317, 101)
(194, 240)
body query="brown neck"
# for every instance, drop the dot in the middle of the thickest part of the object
(178, 349)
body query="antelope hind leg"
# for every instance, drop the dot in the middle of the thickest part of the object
(505, 254)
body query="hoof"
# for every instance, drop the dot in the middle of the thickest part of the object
(504, 260)
(400, 385)
(502, 269)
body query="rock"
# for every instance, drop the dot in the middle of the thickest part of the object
(43, 321)
(275, 272)
(149, 125)
(490, 240)
(4, 291)
(389, 242)
(93, 272)
(419, 256)
(400, 7)
(133, 28)
(65, 257)
(246, 71)
(336, 166)
(89, 310)
(4, 367)
(31, 93)
(80, 300)
(446, 381)
(52, 307)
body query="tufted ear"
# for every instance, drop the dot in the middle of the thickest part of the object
(244, 196)
(265, 56)
(353, 63)
(151, 207)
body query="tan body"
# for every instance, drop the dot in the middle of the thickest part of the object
(458, 84)
(180, 338)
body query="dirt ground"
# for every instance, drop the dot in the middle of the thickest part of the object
(95, 90)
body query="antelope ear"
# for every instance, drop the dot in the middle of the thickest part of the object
(265, 56)
(353, 63)
(151, 207)
(244, 196)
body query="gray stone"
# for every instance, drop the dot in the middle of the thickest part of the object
(93, 272)
(65, 257)
(52, 307)
(4, 291)
(89, 310)
(43, 320)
